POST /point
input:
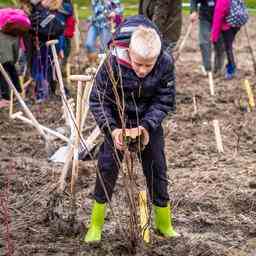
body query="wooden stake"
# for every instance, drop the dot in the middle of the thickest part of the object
(211, 83)
(21, 79)
(65, 103)
(68, 72)
(218, 136)
(144, 216)
(77, 136)
(88, 89)
(249, 92)
(85, 102)
(80, 79)
(194, 104)
(250, 49)
(19, 115)
(62, 180)
(182, 44)
(11, 104)
(77, 32)
(89, 142)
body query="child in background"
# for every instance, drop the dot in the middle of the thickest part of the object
(228, 22)
(9, 52)
(167, 15)
(13, 24)
(103, 12)
(205, 15)
(64, 45)
(116, 13)
(42, 60)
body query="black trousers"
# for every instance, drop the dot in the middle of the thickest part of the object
(229, 37)
(153, 165)
(4, 88)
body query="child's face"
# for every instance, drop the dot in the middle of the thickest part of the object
(142, 67)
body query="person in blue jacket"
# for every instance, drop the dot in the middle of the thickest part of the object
(103, 12)
(139, 76)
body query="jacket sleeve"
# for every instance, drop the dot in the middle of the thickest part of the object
(164, 100)
(61, 43)
(16, 49)
(66, 9)
(193, 6)
(220, 12)
(102, 100)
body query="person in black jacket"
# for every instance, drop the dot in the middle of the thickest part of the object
(205, 14)
(147, 93)
(167, 15)
(9, 51)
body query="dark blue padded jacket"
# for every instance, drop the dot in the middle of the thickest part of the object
(146, 101)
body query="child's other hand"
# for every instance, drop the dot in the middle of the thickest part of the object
(145, 135)
(61, 54)
(112, 15)
(117, 136)
(193, 17)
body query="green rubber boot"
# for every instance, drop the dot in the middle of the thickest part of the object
(97, 221)
(163, 221)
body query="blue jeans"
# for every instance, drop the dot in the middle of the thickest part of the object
(42, 72)
(205, 27)
(93, 32)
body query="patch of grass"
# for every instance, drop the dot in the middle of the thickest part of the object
(85, 11)
(130, 6)
(251, 3)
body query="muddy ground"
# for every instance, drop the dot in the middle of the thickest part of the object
(213, 195)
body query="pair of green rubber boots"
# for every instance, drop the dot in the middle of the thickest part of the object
(162, 222)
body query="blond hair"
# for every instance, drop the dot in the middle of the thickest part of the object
(25, 5)
(52, 4)
(145, 42)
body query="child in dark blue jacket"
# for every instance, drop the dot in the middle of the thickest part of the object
(140, 76)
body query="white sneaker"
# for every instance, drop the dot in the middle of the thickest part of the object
(204, 72)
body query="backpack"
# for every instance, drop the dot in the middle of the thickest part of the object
(238, 14)
(14, 21)
(48, 24)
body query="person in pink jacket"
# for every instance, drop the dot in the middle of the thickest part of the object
(220, 25)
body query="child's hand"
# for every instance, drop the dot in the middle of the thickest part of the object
(145, 135)
(117, 136)
(61, 54)
(112, 15)
(193, 17)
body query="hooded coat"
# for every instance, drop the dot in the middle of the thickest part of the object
(146, 100)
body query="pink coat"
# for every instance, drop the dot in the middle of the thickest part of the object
(15, 16)
(219, 19)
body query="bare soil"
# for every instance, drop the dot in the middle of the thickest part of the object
(213, 195)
